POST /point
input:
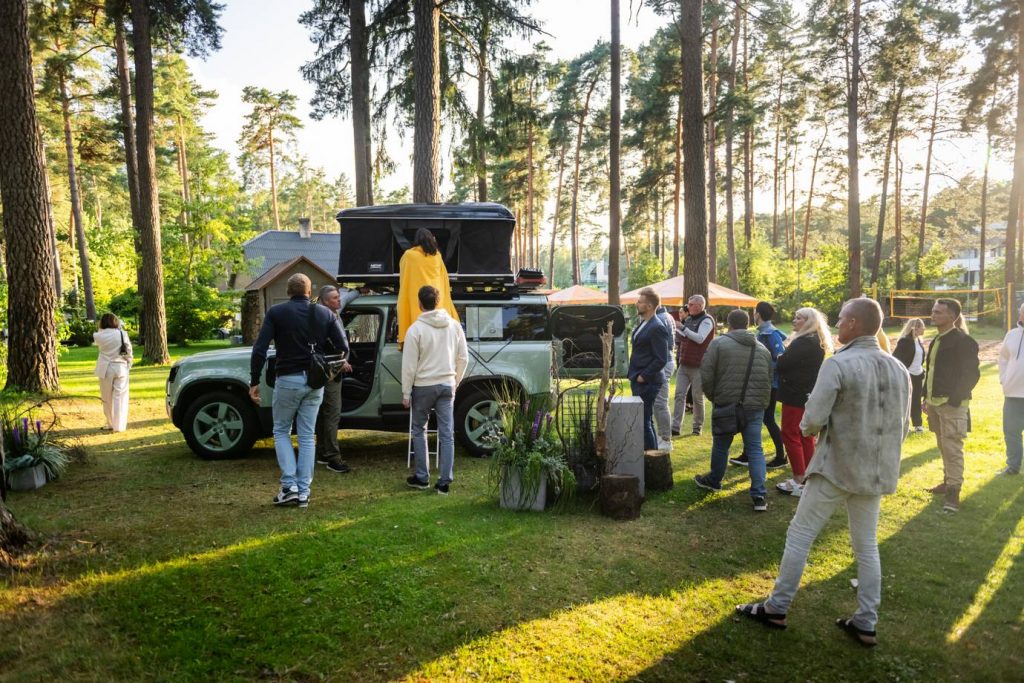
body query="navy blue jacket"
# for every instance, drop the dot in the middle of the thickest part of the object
(650, 352)
(287, 324)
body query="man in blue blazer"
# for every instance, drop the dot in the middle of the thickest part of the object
(651, 341)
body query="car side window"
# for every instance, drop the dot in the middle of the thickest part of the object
(507, 322)
(361, 326)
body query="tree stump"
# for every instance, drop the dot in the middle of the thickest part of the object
(658, 470)
(620, 496)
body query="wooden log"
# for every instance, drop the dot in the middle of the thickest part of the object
(658, 470)
(620, 496)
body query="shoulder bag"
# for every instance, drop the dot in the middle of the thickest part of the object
(731, 419)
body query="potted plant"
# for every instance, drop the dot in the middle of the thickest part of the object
(528, 461)
(30, 453)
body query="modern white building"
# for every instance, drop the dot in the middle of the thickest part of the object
(968, 259)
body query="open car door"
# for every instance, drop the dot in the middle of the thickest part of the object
(576, 334)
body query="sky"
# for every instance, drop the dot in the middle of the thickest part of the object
(264, 45)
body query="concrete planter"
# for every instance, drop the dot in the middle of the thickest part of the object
(27, 478)
(511, 492)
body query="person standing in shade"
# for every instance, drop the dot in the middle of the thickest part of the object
(421, 265)
(662, 416)
(327, 450)
(297, 328)
(910, 351)
(692, 336)
(951, 373)
(737, 371)
(434, 360)
(1011, 377)
(860, 406)
(773, 340)
(651, 342)
(112, 366)
(797, 369)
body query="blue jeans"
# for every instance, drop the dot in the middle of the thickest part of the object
(295, 401)
(440, 397)
(751, 446)
(1013, 425)
(648, 393)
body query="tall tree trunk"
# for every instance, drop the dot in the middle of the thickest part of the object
(853, 156)
(480, 150)
(677, 179)
(775, 164)
(792, 199)
(730, 134)
(810, 192)
(748, 152)
(695, 265)
(554, 223)
(614, 206)
(75, 195)
(534, 256)
(427, 86)
(880, 233)
(362, 143)
(155, 342)
(712, 182)
(984, 218)
(927, 181)
(32, 356)
(58, 286)
(574, 210)
(186, 189)
(124, 87)
(898, 220)
(273, 179)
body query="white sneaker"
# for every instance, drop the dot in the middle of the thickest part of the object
(918, 430)
(664, 445)
(787, 486)
(798, 490)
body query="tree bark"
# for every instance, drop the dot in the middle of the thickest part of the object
(75, 195)
(984, 219)
(614, 206)
(131, 157)
(58, 286)
(362, 142)
(695, 254)
(898, 219)
(880, 234)
(927, 181)
(730, 134)
(775, 165)
(810, 193)
(32, 357)
(677, 189)
(481, 108)
(748, 153)
(427, 86)
(712, 182)
(155, 341)
(574, 210)
(853, 156)
(273, 178)
(554, 223)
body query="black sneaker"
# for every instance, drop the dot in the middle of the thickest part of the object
(338, 465)
(704, 481)
(442, 489)
(695, 432)
(776, 463)
(286, 497)
(675, 432)
(760, 504)
(415, 483)
(303, 501)
(741, 461)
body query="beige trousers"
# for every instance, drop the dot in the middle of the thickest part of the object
(950, 427)
(114, 393)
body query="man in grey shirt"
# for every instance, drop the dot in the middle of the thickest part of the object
(860, 409)
(327, 450)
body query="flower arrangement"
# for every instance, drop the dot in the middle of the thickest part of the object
(528, 451)
(28, 440)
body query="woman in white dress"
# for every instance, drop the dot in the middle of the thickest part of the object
(115, 358)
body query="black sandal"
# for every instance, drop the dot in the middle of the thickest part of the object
(856, 633)
(756, 611)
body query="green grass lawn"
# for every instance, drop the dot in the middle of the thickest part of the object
(157, 565)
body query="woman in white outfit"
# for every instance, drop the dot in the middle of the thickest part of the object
(112, 366)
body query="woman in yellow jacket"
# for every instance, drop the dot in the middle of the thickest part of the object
(421, 265)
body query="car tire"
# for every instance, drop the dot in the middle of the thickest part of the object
(220, 425)
(473, 413)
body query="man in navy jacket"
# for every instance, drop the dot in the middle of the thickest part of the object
(651, 343)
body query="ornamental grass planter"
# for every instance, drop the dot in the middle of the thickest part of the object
(513, 495)
(27, 478)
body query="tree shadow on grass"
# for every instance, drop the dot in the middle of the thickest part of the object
(933, 566)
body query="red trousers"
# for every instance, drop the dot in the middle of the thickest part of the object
(799, 448)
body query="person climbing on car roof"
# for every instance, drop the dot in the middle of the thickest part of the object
(420, 266)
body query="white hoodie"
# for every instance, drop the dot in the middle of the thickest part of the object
(434, 353)
(1011, 363)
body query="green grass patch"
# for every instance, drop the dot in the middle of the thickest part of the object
(157, 565)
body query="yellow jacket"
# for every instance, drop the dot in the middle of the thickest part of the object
(415, 270)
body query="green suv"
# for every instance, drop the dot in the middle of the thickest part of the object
(514, 339)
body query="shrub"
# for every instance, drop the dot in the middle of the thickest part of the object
(79, 332)
(194, 311)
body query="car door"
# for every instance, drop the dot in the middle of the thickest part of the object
(576, 334)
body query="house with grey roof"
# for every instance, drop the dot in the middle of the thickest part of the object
(270, 248)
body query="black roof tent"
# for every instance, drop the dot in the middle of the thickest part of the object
(475, 240)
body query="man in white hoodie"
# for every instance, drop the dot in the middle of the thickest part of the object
(434, 359)
(1011, 376)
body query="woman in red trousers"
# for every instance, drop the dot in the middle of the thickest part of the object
(798, 368)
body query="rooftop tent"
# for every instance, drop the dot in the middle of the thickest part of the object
(475, 239)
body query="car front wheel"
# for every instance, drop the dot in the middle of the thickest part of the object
(477, 416)
(220, 425)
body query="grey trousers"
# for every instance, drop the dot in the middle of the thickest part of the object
(440, 397)
(662, 417)
(819, 500)
(327, 422)
(688, 379)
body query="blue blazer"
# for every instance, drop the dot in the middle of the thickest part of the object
(650, 352)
